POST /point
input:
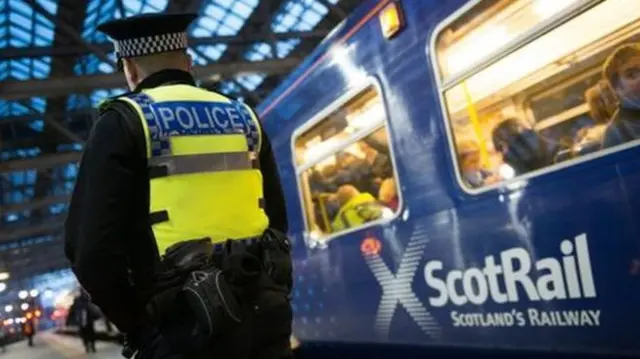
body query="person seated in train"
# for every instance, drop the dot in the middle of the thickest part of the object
(521, 147)
(316, 181)
(388, 194)
(356, 208)
(602, 102)
(622, 71)
(472, 172)
(331, 205)
(323, 179)
(355, 171)
(380, 162)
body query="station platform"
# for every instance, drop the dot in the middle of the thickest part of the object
(48, 345)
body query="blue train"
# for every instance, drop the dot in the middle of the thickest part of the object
(466, 174)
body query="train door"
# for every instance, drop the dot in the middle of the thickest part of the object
(536, 118)
(349, 192)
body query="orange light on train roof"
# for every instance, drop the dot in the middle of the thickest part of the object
(391, 20)
(370, 246)
(38, 313)
(29, 315)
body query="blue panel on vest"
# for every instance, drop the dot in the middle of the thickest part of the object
(184, 118)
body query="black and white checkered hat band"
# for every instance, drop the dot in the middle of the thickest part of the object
(151, 44)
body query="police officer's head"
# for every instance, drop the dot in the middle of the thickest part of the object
(148, 43)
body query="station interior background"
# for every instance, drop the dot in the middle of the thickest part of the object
(55, 67)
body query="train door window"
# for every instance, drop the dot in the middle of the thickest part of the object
(529, 86)
(345, 167)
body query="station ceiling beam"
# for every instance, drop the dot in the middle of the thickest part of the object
(40, 162)
(21, 230)
(34, 204)
(14, 89)
(79, 50)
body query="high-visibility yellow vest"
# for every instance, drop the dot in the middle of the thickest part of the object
(202, 151)
(358, 210)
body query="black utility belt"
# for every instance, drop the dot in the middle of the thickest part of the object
(213, 280)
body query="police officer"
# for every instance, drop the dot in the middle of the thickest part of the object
(165, 163)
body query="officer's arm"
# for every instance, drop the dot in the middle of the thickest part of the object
(272, 188)
(98, 225)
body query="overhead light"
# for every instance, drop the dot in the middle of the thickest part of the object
(24, 306)
(34, 292)
(8, 308)
(3, 286)
(23, 294)
(391, 20)
(4, 275)
(547, 8)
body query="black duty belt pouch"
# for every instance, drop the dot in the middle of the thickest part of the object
(276, 256)
(178, 262)
(271, 320)
(186, 255)
(211, 301)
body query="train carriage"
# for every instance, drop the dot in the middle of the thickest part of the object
(465, 173)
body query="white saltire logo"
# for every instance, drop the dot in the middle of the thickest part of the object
(396, 289)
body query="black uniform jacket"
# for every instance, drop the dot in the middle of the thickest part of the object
(107, 234)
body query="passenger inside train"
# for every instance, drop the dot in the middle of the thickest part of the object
(557, 98)
(622, 72)
(345, 165)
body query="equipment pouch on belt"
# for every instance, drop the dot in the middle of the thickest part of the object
(178, 262)
(210, 298)
(276, 254)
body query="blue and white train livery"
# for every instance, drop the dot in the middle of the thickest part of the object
(465, 173)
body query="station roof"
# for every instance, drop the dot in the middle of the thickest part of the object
(55, 66)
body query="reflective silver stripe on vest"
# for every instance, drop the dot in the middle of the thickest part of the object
(208, 162)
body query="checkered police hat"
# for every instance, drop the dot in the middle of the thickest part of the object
(148, 34)
(148, 45)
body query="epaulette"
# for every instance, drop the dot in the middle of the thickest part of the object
(103, 105)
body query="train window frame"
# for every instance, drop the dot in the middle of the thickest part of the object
(501, 52)
(371, 82)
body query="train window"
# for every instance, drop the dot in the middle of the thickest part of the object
(530, 84)
(345, 168)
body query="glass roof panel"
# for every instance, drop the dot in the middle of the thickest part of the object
(205, 54)
(34, 106)
(87, 101)
(223, 17)
(294, 15)
(98, 11)
(299, 15)
(250, 82)
(99, 95)
(22, 183)
(21, 27)
(78, 101)
(134, 7)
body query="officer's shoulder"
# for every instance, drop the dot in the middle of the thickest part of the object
(242, 104)
(109, 102)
